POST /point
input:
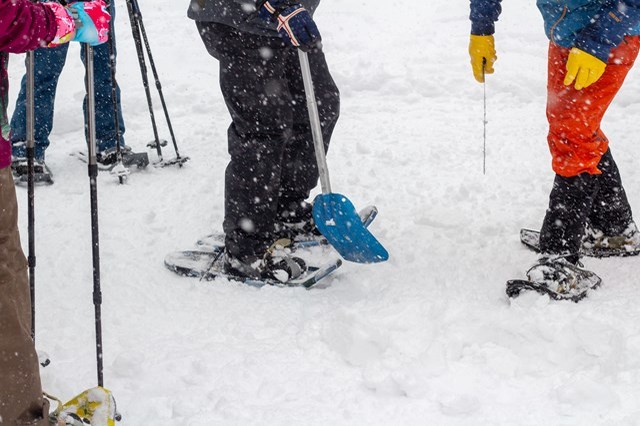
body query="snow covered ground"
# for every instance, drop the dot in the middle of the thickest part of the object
(426, 338)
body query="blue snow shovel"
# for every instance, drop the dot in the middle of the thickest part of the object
(334, 215)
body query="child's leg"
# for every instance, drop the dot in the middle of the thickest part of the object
(106, 134)
(569, 204)
(48, 67)
(575, 139)
(578, 145)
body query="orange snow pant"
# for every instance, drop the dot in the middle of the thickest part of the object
(575, 139)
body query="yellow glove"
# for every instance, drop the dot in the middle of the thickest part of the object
(483, 54)
(584, 68)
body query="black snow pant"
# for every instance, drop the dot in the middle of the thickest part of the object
(273, 165)
(597, 200)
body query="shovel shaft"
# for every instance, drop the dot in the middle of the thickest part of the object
(314, 118)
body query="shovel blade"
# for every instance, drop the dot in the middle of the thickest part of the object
(337, 219)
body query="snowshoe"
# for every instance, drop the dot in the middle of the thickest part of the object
(214, 263)
(600, 245)
(558, 278)
(108, 160)
(300, 239)
(176, 161)
(20, 169)
(154, 143)
(96, 407)
(595, 243)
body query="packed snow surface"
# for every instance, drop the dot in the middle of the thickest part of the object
(428, 337)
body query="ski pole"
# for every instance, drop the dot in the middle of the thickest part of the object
(93, 189)
(93, 177)
(114, 93)
(31, 260)
(135, 29)
(136, 8)
(484, 120)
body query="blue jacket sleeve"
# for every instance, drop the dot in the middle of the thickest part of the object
(609, 28)
(484, 14)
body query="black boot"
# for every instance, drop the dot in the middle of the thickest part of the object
(611, 214)
(108, 158)
(295, 221)
(20, 170)
(277, 264)
(570, 203)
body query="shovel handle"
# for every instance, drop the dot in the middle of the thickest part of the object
(314, 119)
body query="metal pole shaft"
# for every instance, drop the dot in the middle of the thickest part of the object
(138, 14)
(314, 118)
(484, 120)
(135, 29)
(31, 184)
(93, 175)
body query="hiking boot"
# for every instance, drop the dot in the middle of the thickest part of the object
(298, 231)
(296, 223)
(108, 158)
(20, 171)
(561, 279)
(278, 264)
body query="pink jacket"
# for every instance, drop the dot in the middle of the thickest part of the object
(23, 26)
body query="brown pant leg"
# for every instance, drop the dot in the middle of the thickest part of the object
(21, 401)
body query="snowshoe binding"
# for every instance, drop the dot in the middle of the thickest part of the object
(558, 278)
(278, 264)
